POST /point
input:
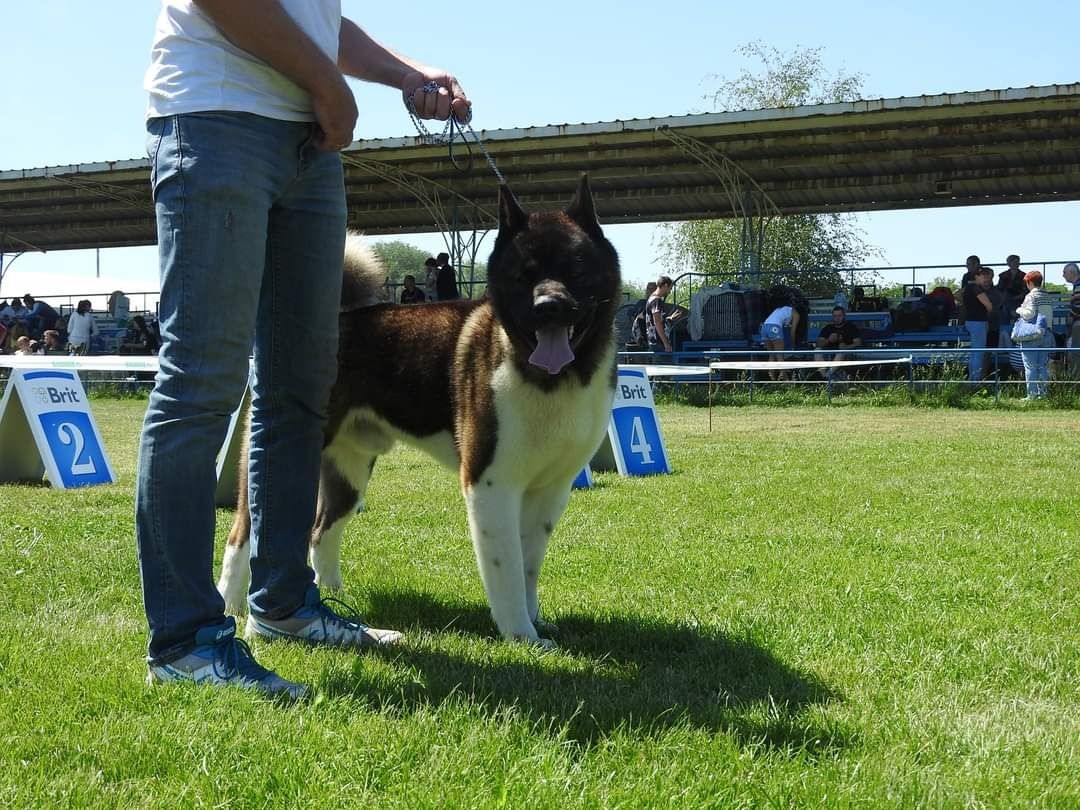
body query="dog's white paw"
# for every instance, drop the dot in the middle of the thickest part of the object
(327, 566)
(545, 628)
(330, 582)
(540, 643)
(235, 603)
(233, 582)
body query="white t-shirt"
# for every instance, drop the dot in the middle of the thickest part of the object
(81, 327)
(781, 316)
(194, 68)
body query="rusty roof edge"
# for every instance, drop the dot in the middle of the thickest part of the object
(642, 124)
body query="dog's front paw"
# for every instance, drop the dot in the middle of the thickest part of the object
(327, 570)
(329, 582)
(535, 641)
(545, 628)
(235, 603)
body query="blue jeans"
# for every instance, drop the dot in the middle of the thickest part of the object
(977, 331)
(1037, 366)
(251, 227)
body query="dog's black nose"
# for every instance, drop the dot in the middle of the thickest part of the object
(551, 308)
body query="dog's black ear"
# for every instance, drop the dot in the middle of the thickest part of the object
(512, 217)
(581, 208)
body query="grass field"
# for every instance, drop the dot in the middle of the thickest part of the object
(831, 607)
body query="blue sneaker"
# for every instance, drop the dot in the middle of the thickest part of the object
(221, 659)
(316, 622)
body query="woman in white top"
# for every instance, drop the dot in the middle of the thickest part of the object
(81, 328)
(1035, 355)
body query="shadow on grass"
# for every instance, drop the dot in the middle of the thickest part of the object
(624, 674)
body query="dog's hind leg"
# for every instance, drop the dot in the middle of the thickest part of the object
(339, 497)
(495, 524)
(540, 512)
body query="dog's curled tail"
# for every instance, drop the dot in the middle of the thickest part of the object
(363, 282)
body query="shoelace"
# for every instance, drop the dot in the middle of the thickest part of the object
(336, 610)
(234, 655)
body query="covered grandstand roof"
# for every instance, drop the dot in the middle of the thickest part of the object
(995, 146)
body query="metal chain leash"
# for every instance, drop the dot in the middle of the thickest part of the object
(451, 130)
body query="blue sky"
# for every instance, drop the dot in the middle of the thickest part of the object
(72, 72)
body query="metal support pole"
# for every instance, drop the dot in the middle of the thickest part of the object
(710, 396)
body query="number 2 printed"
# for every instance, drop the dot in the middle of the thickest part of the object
(70, 434)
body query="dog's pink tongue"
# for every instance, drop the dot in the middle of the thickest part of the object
(552, 349)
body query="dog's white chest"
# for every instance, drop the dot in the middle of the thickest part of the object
(547, 436)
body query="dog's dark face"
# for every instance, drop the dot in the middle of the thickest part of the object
(554, 282)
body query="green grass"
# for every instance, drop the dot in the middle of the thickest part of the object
(825, 607)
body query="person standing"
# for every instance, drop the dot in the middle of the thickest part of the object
(1011, 285)
(978, 306)
(446, 288)
(972, 265)
(1072, 278)
(40, 315)
(81, 328)
(248, 108)
(431, 273)
(778, 331)
(1035, 354)
(656, 317)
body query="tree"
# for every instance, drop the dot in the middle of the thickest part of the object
(401, 259)
(800, 250)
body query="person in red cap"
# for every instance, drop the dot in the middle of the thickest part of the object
(1035, 354)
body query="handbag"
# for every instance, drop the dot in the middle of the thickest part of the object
(1029, 331)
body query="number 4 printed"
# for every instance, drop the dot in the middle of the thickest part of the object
(638, 443)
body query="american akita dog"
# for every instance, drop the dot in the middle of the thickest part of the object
(513, 391)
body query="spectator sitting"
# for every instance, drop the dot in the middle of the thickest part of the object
(942, 297)
(446, 281)
(22, 346)
(53, 345)
(7, 314)
(410, 293)
(840, 334)
(146, 335)
(431, 273)
(40, 316)
(81, 329)
(1072, 277)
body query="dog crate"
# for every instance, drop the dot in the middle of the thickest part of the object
(730, 313)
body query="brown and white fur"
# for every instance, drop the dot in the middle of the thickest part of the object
(479, 386)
